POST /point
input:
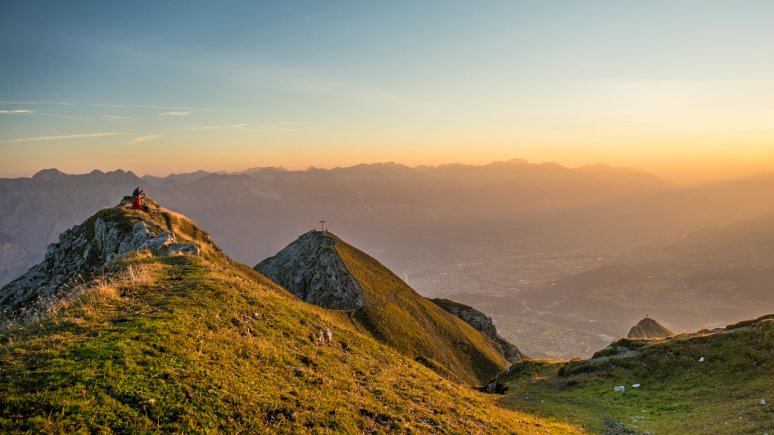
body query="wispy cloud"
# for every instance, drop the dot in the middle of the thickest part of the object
(61, 137)
(264, 127)
(113, 106)
(145, 138)
(217, 127)
(276, 127)
(116, 117)
(174, 113)
(16, 111)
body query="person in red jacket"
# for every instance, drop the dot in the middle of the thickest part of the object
(137, 201)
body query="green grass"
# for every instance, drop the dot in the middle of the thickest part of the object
(397, 315)
(204, 344)
(678, 395)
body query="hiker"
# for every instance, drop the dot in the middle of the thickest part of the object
(136, 200)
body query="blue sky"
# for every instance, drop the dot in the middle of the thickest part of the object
(234, 84)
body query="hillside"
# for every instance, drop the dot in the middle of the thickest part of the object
(199, 343)
(649, 328)
(711, 381)
(484, 324)
(322, 269)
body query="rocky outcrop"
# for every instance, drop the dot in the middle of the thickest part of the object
(649, 328)
(311, 269)
(483, 324)
(80, 253)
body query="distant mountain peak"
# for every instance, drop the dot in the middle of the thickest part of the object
(649, 328)
(51, 174)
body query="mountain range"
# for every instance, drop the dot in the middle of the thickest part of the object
(535, 246)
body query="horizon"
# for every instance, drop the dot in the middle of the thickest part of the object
(683, 91)
(681, 179)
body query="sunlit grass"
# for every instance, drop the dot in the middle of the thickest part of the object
(203, 344)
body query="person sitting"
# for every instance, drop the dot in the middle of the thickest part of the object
(137, 196)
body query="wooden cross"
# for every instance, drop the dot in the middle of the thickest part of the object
(322, 225)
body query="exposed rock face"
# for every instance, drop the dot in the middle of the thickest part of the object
(649, 328)
(311, 269)
(482, 323)
(80, 253)
(36, 210)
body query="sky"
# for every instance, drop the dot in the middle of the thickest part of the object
(674, 87)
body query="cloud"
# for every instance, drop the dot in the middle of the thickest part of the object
(174, 113)
(61, 137)
(113, 106)
(16, 111)
(217, 127)
(264, 127)
(145, 138)
(116, 117)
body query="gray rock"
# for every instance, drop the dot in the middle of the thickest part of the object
(324, 336)
(81, 252)
(482, 323)
(182, 249)
(311, 269)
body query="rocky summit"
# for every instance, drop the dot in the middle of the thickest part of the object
(311, 269)
(649, 328)
(84, 250)
(322, 269)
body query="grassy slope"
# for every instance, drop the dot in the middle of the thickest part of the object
(678, 395)
(204, 344)
(416, 326)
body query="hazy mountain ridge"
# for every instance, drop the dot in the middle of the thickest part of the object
(14, 258)
(523, 227)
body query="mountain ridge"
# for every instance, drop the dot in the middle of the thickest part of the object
(200, 343)
(322, 269)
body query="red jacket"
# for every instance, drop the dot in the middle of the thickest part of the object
(136, 203)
